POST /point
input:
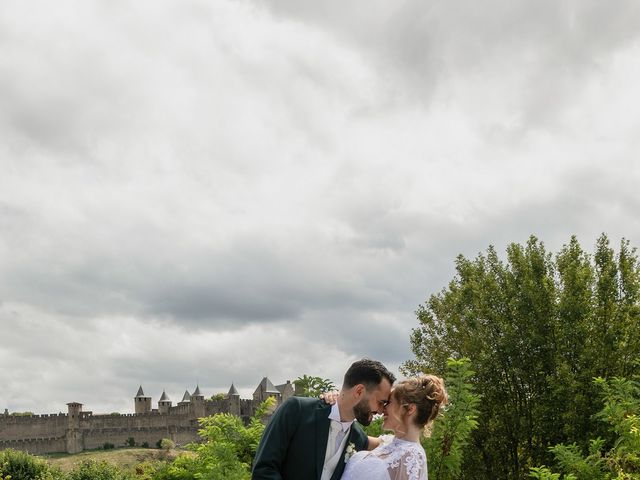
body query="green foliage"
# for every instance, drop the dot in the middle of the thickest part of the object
(308, 386)
(98, 470)
(227, 451)
(218, 396)
(130, 442)
(543, 473)
(16, 465)
(108, 446)
(22, 414)
(621, 412)
(452, 430)
(166, 444)
(374, 429)
(537, 329)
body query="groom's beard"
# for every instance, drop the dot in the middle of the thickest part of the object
(362, 413)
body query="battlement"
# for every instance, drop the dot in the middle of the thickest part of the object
(29, 418)
(77, 430)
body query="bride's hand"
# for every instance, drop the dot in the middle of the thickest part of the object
(330, 397)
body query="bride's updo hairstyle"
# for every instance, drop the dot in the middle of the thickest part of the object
(428, 394)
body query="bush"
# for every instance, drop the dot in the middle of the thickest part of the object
(617, 458)
(95, 470)
(22, 466)
(108, 446)
(130, 442)
(145, 445)
(167, 444)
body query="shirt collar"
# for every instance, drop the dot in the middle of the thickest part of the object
(335, 416)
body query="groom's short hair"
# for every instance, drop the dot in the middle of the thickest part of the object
(368, 372)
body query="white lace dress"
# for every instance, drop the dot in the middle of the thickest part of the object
(394, 459)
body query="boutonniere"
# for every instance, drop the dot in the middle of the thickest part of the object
(351, 449)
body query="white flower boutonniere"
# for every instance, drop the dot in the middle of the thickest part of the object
(351, 449)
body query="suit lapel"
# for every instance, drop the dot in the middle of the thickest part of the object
(322, 437)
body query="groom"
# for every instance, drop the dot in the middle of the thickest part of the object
(306, 439)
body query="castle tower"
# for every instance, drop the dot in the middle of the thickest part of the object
(186, 399)
(141, 402)
(164, 404)
(197, 403)
(73, 436)
(234, 401)
(286, 390)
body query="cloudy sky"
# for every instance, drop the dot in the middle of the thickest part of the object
(211, 192)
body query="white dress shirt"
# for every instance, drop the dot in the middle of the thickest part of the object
(338, 435)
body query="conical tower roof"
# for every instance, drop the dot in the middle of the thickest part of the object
(164, 397)
(267, 386)
(232, 390)
(187, 396)
(196, 392)
(140, 392)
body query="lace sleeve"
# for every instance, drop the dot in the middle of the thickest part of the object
(412, 465)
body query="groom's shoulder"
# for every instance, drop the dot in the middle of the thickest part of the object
(305, 403)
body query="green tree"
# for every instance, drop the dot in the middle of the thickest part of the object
(452, 430)
(226, 452)
(308, 386)
(537, 328)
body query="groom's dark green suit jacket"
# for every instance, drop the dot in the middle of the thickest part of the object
(295, 442)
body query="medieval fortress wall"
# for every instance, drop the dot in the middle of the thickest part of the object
(78, 430)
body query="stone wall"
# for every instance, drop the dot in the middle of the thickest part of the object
(32, 427)
(76, 430)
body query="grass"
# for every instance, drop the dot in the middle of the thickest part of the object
(122, 457)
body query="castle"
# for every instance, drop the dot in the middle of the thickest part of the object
(79, 430)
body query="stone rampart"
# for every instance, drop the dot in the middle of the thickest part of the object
(35, 426)
(78, 430)
(36, 446)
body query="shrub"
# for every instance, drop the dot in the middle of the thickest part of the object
(130, 442)
(108, 446)
(22, 466)
(617, 458)
(167, 444)
(98, 470)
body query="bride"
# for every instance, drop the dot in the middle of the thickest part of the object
(412, 407)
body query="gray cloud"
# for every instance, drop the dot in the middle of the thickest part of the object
(196, 192)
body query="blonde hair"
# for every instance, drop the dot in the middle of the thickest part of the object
(427, 393)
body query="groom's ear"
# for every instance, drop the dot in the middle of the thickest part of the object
(359, 390)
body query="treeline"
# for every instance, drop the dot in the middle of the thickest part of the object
(538, 328)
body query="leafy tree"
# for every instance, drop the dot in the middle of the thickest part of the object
(452, 430)
(227, 451)
(218, 396)
(308, 386)
(537, 328)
